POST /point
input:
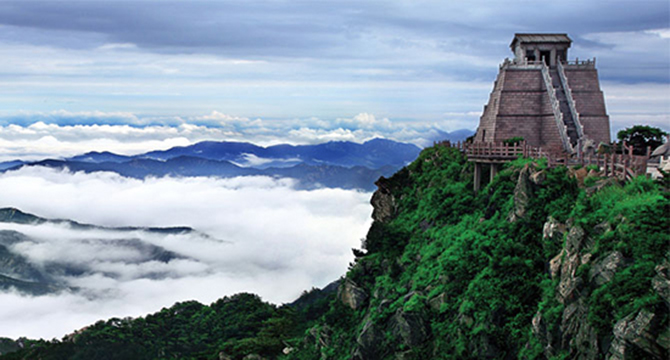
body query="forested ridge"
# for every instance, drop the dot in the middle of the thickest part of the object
(542, 263)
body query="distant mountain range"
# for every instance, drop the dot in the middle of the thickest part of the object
(333, 164)
(17, 271)
(372, 154)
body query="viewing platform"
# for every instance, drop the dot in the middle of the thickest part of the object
(623, 166)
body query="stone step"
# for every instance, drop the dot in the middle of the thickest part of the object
(564, 107)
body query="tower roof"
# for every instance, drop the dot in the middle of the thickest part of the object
(540, 38)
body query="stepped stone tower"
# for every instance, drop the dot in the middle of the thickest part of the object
(551, 102)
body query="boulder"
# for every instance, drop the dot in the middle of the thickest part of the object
(552, 229)
(555, 265)
(569, 285)
(538, 177)
(352, 295)
(383, 202)
(319, 336)
(577, 334)
(637, 330)
(603, 271)
(574, 240)
(523, 191)
(410, 328)
(482, 346)
(661, 282)
(369, 342)
(436, 302)
(600, 184)
(564, 265)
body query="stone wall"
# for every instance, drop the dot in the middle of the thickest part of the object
(525, 110)
(590, 103)
(519, 105)
(486, 129)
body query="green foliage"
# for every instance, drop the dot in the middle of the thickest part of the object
(633, 220)
(8, 345)
(513, 140)
(641, 136)
(447, 241)
(239, 325)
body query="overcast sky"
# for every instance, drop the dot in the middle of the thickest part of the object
(310, 67)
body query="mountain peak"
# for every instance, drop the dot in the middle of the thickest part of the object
(14, 215)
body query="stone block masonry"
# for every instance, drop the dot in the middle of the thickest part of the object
(520, 104)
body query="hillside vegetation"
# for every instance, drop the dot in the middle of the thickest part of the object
(541, 264)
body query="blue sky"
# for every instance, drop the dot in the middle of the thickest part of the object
(127, 75)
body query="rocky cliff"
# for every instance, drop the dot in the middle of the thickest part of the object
(542, 264)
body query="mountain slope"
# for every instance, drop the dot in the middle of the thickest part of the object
(344, 165)
(18, 272)
(543, 263)
(308, 176)
(375, 153)
(538, 265)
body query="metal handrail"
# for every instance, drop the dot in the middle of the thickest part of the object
(571, 101)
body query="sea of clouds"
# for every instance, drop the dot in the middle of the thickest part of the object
(253, 234)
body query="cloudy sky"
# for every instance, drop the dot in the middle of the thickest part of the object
(131, 75)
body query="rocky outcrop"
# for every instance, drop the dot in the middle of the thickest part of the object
(436, 302)
(661, 282)
(317, 337)
(637, 332)
(368, 342)
(572, 333)
(383, 202)
(409, 328)
(603, 271)
(576, 333)
(565, 265)
(352, 295)
(522, 194)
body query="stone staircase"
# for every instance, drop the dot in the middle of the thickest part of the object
(564, 107)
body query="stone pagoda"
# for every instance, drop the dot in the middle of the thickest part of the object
(552, 103)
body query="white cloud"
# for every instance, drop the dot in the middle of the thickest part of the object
(637, 104)
(263, 236)
(663, 33)
(36, 136)
(117, 46)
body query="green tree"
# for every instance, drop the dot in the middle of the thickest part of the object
(641, 136)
